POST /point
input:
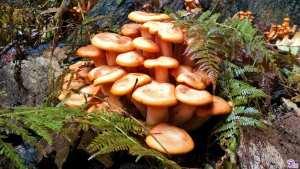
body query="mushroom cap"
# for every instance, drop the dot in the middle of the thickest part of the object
(165, 30)
(156, 94)
(131, 29)
(174, 139)
(76, 100)
(125, 85)
(163, 62)
(112, 42)
(68, 76)
(287, 19)
(190, 96)
(249, 13)
(84, 72)
(194, 80)
(90, 51)
(76, 66)
(207, 80)
(130, 59)
(106, 74)
(218, 106)
(145, 44)
(189, 0)
(139, 16)
(74, 84)
(180, 69)
(152, 26)
(99, 107)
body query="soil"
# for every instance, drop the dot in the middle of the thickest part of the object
(271, 148)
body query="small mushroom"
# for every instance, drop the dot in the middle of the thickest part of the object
(124, 86)
(287, 22)
(189, 100)
(165, 34)
(96, 54)
(142, 17)
(130, 60)
(105, 76)
(203, 113)
(158, 97)
(114, 44)
(161, 65)
(173, 139)
(76, 100)
(133, 30)
(74, 84)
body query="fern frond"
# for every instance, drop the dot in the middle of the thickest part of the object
(10, 152)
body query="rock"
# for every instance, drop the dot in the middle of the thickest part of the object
(269, 11)
(116, 11)
(271, 148)
(34, 73)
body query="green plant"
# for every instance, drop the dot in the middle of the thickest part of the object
(114, 131)
(230, 40)
(243, 97)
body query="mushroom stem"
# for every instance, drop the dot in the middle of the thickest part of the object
(162, 75)
(99, 61)
(145, 33)
(187, 60)
(156, 115)
(141, 107)
(135, 36)
(132, 69)
(181, 113)
(111, 58)
(166, 48)
(195, 122)
(149, 55)
(157, 41)
(111, 98)
(178, 52)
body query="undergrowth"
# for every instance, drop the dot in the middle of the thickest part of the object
(113, 131)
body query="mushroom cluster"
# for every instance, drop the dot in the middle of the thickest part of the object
(192, 5)
(138, 65)
(283, 31)
(244, 15)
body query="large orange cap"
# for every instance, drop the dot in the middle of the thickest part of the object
(194, 80)
(106, 74)
(131, 29)
(125, 85)
(175, 140)
(112, 42)
(151, 26)
(218, 106)
(180, 69)
(130, 59)
(145, 44)
(76, 100)
(139, 16)
(190, 96)
(163, 62)
(165, 30)
(156, 94)
(90, 51)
